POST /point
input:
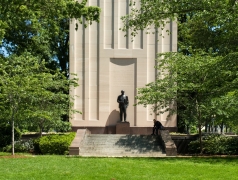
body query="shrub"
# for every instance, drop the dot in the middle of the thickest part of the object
(56, 143)
(63, 126)
(215, 145)
(36, 144)
(20, 146)
(233, 145)
(6, 134)
(194, 147)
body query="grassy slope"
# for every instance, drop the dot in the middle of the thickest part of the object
(61, 167)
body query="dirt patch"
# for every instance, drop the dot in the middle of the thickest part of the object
(14, 156)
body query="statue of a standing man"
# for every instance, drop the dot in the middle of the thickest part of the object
(123, 104)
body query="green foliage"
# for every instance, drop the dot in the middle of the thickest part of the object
(197, 84)
(186, 80)
(62, 126)
(36, 145)
(194, 147)
(215, 145)
(6, 134)
(42, 28)
(20, 146)
(32, 33)
(196, 87)
(36, 95)
(56, 144)
(31, 26)
(202, 24)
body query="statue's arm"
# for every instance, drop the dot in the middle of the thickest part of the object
(118, 99)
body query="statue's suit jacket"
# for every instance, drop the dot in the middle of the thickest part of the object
(123, 101)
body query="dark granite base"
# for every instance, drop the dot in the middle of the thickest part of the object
(112, 130)
(123, 128)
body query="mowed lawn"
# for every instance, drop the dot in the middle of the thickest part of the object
(63, 167)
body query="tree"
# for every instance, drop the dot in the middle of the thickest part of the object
(225, 107)
(207, 30)
(206, 24)
(31, 26)
(59, 46)
(30, 90)
(219, 14)
(41, 27)
(14, 84)
(196, 83)
(49, 100)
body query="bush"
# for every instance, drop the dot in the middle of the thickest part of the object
(36, 144)
(215, 145)
(233, 145)
(6, 134)
(194, 147)
(56, 143)
(63, 126)
(20, 146)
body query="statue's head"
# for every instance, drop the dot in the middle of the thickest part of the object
(122, 92)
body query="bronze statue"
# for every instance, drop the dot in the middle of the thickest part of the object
(123, 104)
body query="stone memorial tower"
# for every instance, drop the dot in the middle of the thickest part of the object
(107, 62)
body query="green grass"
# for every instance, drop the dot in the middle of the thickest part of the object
(61, 167)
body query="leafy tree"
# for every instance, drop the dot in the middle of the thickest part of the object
(208, 30)
(59, 46)
(42, 27)
(14, 84)
(49, 100)
(30, 91)
(212, 14)
(206, 24)
(225, 107)
(196, 83)
(34, 26)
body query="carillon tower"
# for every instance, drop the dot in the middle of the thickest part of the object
(106, 62)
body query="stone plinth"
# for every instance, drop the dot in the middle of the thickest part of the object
(123, 128)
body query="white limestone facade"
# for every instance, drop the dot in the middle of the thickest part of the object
(107, 62)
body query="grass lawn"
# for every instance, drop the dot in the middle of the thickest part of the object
(62, 167)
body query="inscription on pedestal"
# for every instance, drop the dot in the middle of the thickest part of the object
(123, 128)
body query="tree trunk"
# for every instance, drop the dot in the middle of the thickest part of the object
(222, 127)
(187, 129)
(200, 136)
(199, 126)
(13, 148)
(41, 131)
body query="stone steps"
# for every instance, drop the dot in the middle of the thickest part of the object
(119, 145)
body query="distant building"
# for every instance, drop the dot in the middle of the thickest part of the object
(107, 62)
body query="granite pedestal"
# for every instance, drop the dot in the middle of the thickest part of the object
(123, 128)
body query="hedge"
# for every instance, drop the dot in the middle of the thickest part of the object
(215, 145)
(54, 144)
